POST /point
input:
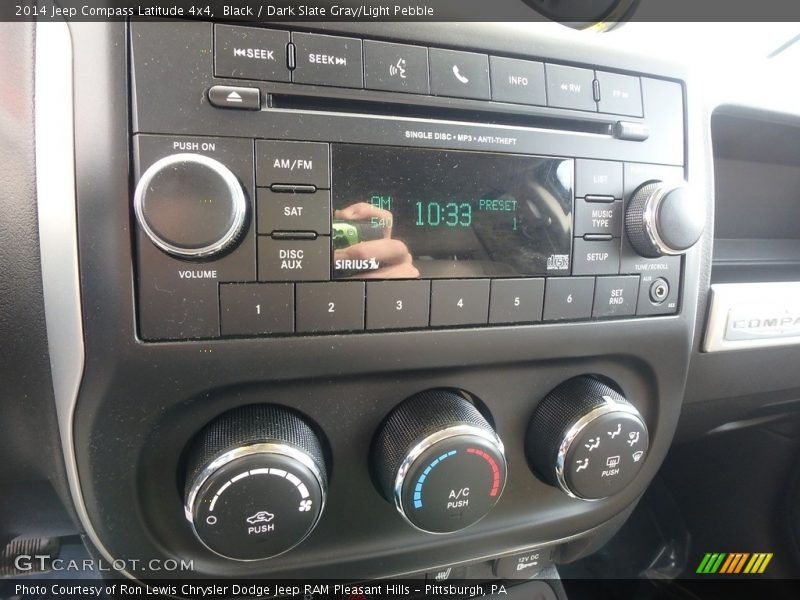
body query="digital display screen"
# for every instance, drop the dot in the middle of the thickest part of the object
(408, 213)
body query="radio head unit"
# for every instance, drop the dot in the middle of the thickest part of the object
(302, 202)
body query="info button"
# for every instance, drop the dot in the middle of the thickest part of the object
(519, 81)
(294, 260)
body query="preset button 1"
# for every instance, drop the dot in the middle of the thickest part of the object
(256, 308)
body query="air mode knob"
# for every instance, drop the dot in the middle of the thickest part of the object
(256, 483)
(440, 462)
(664, 219)
(190, 206)
(587, 439)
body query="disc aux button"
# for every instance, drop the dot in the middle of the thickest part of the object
(294, 259)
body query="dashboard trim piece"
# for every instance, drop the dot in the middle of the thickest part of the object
(760, 304)
(58, 242)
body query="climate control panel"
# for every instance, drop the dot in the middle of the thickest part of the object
(257, 476)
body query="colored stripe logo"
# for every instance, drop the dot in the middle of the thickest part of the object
(734, 563)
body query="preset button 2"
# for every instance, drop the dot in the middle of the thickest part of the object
(330, 306)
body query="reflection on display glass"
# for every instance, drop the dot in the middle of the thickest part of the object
(404, 213)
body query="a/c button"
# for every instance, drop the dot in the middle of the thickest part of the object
(294, 260)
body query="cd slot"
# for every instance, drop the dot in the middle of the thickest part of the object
(488, 113)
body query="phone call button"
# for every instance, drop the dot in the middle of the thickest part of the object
(459, 74)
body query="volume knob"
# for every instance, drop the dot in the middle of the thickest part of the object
(190, 205)
(664, 219)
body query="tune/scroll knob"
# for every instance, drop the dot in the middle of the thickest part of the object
(440, 462)
(256, 483)
(587, 439)
(664, 219)
(190, 205)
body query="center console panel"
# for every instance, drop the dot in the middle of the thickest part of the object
(443, 321)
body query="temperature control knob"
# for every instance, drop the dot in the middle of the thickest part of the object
(440, 462)
(664, 219)
(190, 205)
(256, 483)
(587, 439)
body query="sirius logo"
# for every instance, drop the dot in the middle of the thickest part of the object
(359, 264)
